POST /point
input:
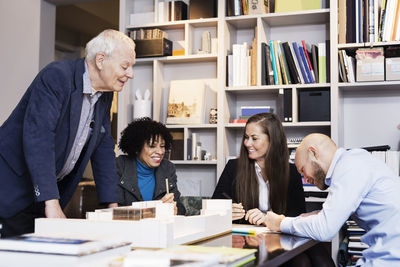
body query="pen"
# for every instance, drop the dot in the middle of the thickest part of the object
(240, 232)
(166, 185)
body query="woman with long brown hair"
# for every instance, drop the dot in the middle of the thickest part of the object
(261, 178)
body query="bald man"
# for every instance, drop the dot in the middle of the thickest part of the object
(359, 185)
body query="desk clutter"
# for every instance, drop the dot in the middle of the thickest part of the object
(118, 236)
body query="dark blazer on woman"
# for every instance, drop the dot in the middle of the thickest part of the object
(295, 197)
(128, 189)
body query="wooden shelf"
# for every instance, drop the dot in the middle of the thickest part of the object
(286, 124)
(179, 24)
(274, 88)
(181, 59)
(367, 45)
(192, 126)
(194, 162)
(317, 16)
(362, 86)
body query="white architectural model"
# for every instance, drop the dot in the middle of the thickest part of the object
(163, 231)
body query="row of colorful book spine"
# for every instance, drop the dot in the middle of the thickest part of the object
(291, 63)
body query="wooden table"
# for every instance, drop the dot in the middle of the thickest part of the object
(274, 249)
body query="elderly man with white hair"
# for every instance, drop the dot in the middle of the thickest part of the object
(360, 186)
(61, 122)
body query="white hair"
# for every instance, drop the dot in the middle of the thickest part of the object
(105, 42)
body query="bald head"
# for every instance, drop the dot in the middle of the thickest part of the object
(315, 153)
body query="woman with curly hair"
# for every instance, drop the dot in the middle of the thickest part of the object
(143, 170)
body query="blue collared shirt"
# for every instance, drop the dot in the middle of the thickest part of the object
(90, 97)
(363, 186)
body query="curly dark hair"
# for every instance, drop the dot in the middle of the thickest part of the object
(142, 130)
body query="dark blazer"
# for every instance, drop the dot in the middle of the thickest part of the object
(37, 137)
(295, 197)
(128, 189)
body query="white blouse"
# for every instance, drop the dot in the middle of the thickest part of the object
(263, 188)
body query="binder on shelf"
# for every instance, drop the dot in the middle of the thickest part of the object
(287, 105)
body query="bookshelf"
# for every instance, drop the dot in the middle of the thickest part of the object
(361, 114)
(223, 139)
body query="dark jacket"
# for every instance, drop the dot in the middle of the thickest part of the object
(128, 189)
(37, 137)
(295, 197)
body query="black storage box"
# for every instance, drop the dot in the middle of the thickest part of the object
(153, 48)
(314, 105)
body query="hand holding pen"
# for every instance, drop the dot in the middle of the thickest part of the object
(169, 197)
(237, 211)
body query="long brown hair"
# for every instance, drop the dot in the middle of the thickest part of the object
(276, 164)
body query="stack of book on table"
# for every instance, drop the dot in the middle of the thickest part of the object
(190, 256)
(60, 250)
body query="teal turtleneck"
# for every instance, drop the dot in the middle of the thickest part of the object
(146, 180)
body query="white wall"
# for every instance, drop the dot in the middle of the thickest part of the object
(27, 29)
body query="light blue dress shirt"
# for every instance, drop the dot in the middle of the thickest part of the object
(363, 186)
(89, 100)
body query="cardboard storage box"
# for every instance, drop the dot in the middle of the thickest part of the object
(370, 65)
(153, 48)
(392, 68)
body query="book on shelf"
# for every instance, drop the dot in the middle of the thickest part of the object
(241, 64)
(252, 110)
(177, 146)
(368, 21)
(310, 67)
(273, 62)
(278, 62)
(322, 62)
(305, 64)
(284, 64)
(300, 62)
(264, 67)
(296, 5)
(314, 56)
(190, 101)
(244, 7)
(200, 9)
(291, 63)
